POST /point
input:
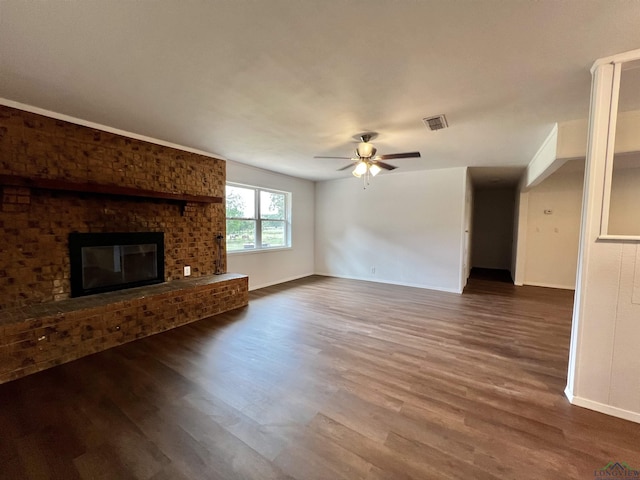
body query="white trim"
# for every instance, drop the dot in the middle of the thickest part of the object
(619, 237)
(550, 285)
(611, 140)
(591, 210)
(569, 394)
(278, 282)
(609, 159)
(388, 282)
(629, 56)
(86, 123)
(602, 408)
(553, 133)
(250, 251)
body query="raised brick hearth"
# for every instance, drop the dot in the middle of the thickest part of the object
(58, 177)
(40, 336)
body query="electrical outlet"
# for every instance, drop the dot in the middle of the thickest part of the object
(187, 270)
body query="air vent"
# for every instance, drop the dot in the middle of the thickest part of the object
(435, 123)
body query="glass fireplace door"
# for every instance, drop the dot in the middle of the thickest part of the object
(116, 264)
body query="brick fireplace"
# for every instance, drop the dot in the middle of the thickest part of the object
(58, 178)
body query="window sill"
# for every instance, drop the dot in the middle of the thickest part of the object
(258, 250)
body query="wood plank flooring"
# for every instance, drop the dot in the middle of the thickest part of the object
(324, 378)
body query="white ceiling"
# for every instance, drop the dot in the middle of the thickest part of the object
(273, 83)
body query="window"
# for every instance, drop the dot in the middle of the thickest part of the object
(257, 219)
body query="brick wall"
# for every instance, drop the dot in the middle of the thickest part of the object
(37, 146)
(34, 224)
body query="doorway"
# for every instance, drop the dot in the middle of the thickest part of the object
(493, 228)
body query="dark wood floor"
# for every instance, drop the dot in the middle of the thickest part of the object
(324, 379)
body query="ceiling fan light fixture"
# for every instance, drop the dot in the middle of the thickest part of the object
(365, 150)
(366, 164)
(361, 169)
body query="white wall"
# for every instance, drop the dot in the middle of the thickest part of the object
(572, 139)
(493, 211)
(405, 228)
(551, 253)
(270, 267)
(572, 136)
(536, 264)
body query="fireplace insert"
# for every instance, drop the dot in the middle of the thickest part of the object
(103, 262)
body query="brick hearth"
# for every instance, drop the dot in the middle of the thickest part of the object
(40, 336)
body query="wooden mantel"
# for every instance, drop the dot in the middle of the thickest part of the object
(64, 185)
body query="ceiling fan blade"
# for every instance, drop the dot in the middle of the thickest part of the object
(386, 166)
(344, 168)
(392, 156)
(341, 158)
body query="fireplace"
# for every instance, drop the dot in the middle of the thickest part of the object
(103, 262)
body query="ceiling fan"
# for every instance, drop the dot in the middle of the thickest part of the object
(366, 163)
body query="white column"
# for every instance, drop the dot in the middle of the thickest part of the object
(605, 322)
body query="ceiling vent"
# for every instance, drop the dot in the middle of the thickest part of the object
(435, 123)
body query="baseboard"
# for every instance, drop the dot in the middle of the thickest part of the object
(388, 282)
(601, 407)
(550, 285)
(276, 282)
(569, 394)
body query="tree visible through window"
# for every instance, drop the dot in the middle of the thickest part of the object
(256, 218)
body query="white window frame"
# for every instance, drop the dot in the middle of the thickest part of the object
(258, 221)
(610, 70)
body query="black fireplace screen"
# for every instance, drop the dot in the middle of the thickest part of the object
(102, 262)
